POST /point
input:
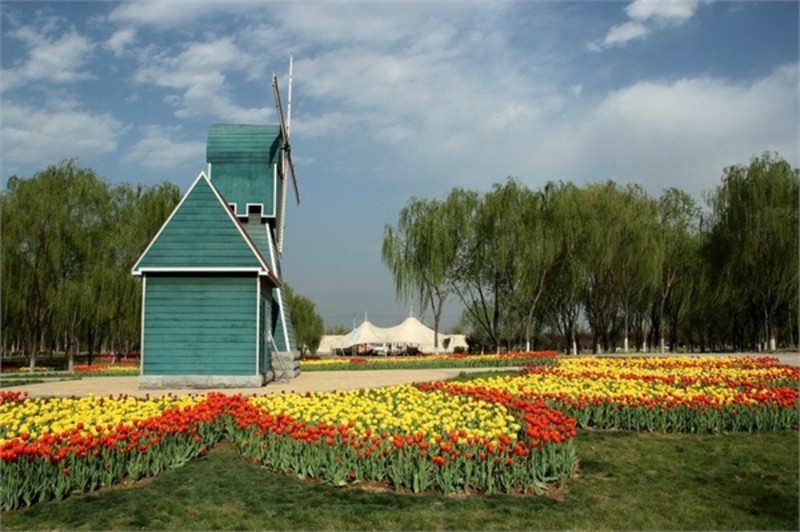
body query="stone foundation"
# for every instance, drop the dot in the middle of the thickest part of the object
(285, 364)
(155, 382)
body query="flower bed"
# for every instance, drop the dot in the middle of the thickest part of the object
(664, 394)
(53, 447)
(411, 439)
(109, 370)
(501, 360)
(504, 433)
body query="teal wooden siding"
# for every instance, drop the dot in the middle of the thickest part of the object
(282, 327)
(200, 325)
(259, 235)
(246, 183)
(200, 234)
(242, 159)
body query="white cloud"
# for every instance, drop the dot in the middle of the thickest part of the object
(645, 17)
(49, 58)
(198, 63)
(622, 33)
(680, 133)
(46, 136)
(199, 74)
(161, 148)
(120, 40)
(163, 15)
(380, 24)
(669, 10)
(512, 112)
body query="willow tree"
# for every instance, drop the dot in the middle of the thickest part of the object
(635, 268)
(52, 225)
(755, 237)
(428, 249)
(491, 281)
(567, 279)
(69, 241)
(543, 229)
(600, 210)
(675, 247)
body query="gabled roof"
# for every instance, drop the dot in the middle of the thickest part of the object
(202, 235)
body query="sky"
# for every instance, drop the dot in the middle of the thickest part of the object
(393, 100)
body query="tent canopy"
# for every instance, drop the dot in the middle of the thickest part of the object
(411, 332)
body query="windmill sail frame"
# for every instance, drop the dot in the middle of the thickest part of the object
(286, 154)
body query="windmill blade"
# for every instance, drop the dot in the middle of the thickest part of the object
(285, 135)
(282, 218)
(294, 179)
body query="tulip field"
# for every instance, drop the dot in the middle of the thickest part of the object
(504, 434)
(686, 394)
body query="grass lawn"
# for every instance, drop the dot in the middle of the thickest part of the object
(626, 481)
(7, 381)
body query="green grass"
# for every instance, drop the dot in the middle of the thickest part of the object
(626, 481)
(9, 380)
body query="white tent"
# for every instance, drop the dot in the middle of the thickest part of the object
(409, 333)
(413, 332)
(367, 333)
(330, 343)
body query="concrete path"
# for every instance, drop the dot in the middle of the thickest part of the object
(310, 381)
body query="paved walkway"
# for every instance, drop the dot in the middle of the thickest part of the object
(310, 381)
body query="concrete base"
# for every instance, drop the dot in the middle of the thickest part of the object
(155, 382)
(285, 364)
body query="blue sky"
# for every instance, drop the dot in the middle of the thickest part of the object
(399, 99)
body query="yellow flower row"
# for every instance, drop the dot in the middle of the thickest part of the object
(36, 415)
(108, 368)
(723, 380)
(399, 409)
(396, 410)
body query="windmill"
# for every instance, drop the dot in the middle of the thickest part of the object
(214, 306)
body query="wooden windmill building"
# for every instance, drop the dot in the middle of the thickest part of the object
(213, 310)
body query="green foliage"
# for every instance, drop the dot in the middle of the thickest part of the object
(69, 241)
(308, 325)
(338, 330)
(753, 247)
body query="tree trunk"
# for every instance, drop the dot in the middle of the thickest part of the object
(34, 351)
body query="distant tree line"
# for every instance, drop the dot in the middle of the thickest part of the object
(609, 263)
